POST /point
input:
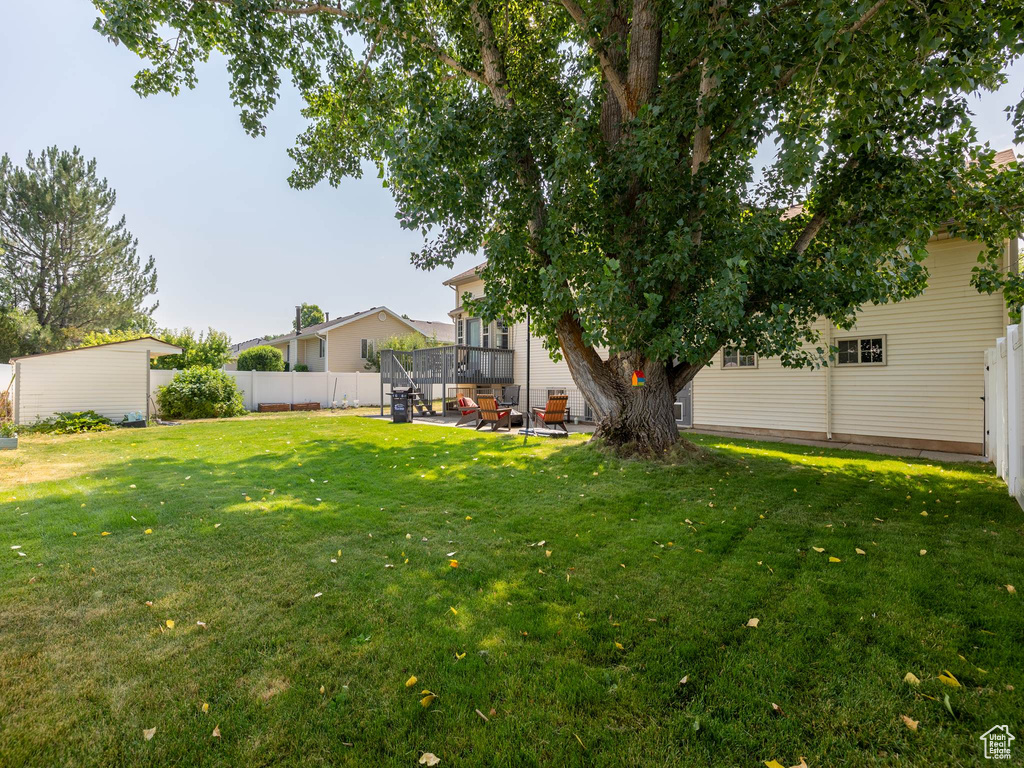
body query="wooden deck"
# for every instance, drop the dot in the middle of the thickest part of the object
(455, 364)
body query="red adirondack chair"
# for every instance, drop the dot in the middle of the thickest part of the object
(469, 411)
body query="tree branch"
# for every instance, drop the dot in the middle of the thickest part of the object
(311, 9)
(611, 74)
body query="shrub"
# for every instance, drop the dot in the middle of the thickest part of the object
(200, 392)
(7, 429)
(301, 368)
(70, 423)
(261, 358)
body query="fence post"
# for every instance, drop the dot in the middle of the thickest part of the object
(293, 387)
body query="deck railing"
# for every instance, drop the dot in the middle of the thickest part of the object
(454, 364)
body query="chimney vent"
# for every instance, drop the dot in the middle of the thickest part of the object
(298, 319)
(327, 316)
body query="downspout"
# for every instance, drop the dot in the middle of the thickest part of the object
(828, 382)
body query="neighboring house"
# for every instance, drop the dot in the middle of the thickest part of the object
(343, 344)
(909, 374)
(111, 379)
(237, 349)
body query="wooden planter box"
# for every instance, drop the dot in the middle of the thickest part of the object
(273, 407)
(306, 407)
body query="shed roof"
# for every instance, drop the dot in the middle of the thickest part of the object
(156, 348)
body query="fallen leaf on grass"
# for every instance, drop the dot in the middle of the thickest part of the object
(777, 710)
(452, 609)
(410, 682)
(774, 764)
(148, 733)
(105, 533)
(149, 530)
(802, 763)
(216, 732)
(949, 679)
(818, 549)
(453, 563)
(685, 680)
(547, 553)
(834, 560)
(924, 552)
(910, 723)
(945, 700)
(427, 700)
(170, 623)
(753, 622)
(460, 656)
(1011, 589)
(323, 690)
(911, 678)
(206, 707)
(429, 758)
(619, 646)
(859, 551)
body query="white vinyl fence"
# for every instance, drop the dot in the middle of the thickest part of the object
(1004, 409)
(313, 387)
(6, 377)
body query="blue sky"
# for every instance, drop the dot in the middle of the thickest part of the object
(236, 248)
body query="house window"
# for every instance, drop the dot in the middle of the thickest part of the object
(365, 348)
(473, 332)
(865, 350)
(288, 353)
(733, 357)
(502, 335)
(321, 348)
(486, 336)
(459, 333)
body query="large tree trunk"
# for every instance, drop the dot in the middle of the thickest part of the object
(634, 419)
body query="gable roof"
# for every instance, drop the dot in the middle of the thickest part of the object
(329, 325)
(158, 349)
(247, 344)
(466, 276)
(439, 330)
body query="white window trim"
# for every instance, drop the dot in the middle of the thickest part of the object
(739, 367)
(858, 339)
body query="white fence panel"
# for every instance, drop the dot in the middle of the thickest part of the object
(1004, 409)
(312, 387)
(6, 376)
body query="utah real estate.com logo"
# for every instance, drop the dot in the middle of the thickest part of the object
(997, 742)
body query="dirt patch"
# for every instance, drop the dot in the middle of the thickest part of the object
(268, 687)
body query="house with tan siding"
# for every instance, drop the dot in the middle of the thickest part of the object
(909, 374)
(343, 344)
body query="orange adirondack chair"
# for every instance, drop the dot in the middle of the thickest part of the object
(491, 414)
(552, 414)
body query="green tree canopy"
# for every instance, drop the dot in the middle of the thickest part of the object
(212, 349)
(310, 314)
(604, 154)
(63, 258)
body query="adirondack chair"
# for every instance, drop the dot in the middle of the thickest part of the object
(491, 414)
(552, 414)
(469, 411)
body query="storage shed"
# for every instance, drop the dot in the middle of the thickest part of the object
(111, 379)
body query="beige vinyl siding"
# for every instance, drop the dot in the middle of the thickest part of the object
(111, 382)
(931, 385)
(766, 397)
(928, 390)
(309, 353)
(344, 350)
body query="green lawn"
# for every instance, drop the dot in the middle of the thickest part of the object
(586, 590)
